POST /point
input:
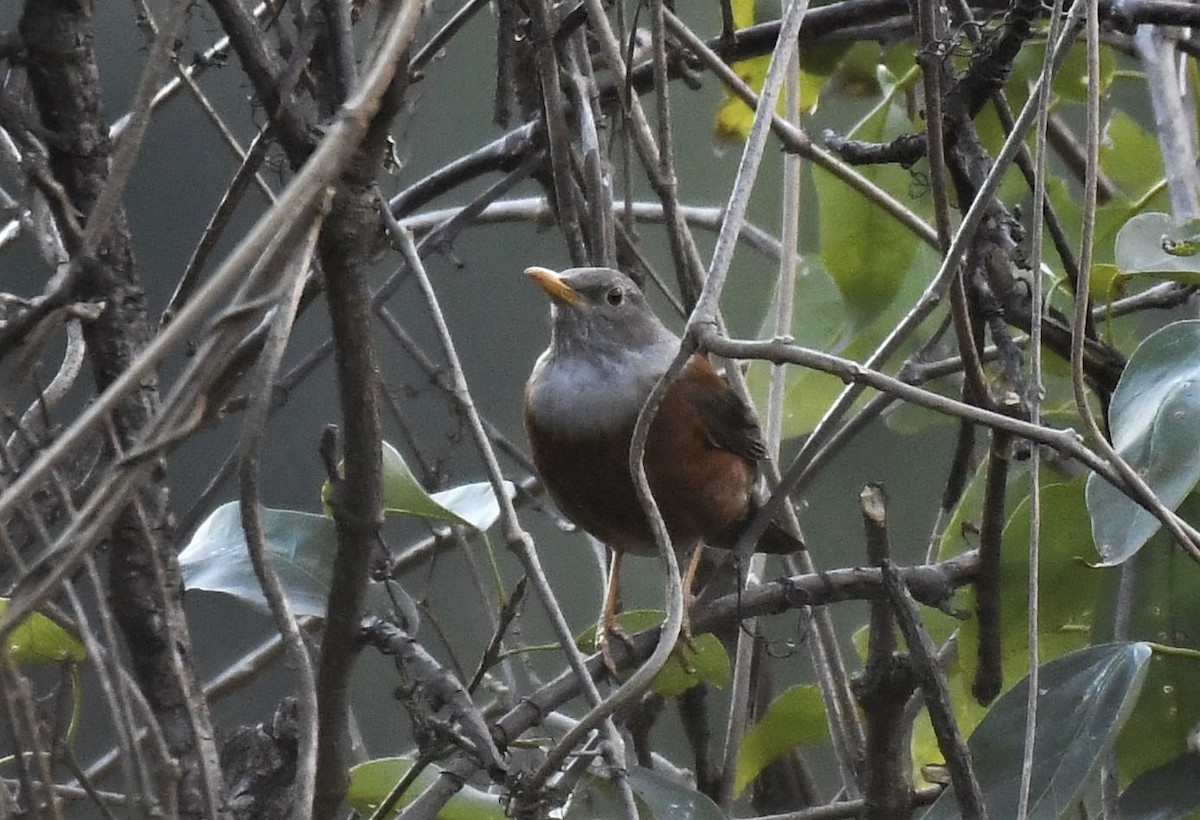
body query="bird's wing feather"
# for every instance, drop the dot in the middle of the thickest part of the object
(728, 421)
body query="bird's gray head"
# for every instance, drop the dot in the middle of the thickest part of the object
(597, 310)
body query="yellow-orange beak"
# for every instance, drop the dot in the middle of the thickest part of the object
(553, 284)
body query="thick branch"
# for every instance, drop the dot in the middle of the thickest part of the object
(144, 577)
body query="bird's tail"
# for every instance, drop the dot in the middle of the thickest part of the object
(778, 541)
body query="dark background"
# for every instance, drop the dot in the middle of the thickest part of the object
(499, 322)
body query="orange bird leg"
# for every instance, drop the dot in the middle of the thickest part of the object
(608, 626)
(689, 598)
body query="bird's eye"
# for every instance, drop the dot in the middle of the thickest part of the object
(615, 297)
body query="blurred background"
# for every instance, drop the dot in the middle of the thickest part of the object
(499, 321)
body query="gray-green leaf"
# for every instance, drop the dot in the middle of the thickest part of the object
(1151, 243)
(302, 546)
(371, 782)
(1170, 792)
(1087, 696)
(471, 505)
(658, 798)
(1155, 418)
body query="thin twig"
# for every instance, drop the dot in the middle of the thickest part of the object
(885, 685)
(444, 35)
(782, 310)
(795, 140)
(1033, 400)
(253, 433)
(537, 211)
(988, 673)
(924, 305)
(1067, 442)
(339, 142)
(847, 808)
(1185, 536)
(127, 149)
(1175, 125)
(937, 696)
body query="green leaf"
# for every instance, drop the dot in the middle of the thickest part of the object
(1166, 793)
(1087, 697)
(818, 61)
(471, 505)
(1155, 427)
(795, 718)
(819, 320)
(1165, 609)
(823, 321)
(302, 545)
(1071, 79)
(1110, 218)
(1108, 283)
(734, 117)
(474, 503)
(38, 640)
(658, 798)
(1142, 247)
(371, 782)
(1130, 156)
(1067, 583)
(707, 662)
(865, 250)
(1068, 587)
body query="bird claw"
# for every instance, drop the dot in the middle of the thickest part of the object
(685, 628)
(604, 634)
(687, 642)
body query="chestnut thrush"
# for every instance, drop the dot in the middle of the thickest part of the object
(607, 350)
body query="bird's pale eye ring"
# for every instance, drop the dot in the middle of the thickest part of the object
(615, 297)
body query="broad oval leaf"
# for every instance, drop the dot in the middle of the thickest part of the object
(1155, 419)
(734, 118)
(819, 320)
(1130, 157)
(474, 504)
(302, 546)
(705, 662)
(1067, 586)
(1164, 607)
(471, 505)
(1067, 594)
(1087, 696)
(795, 718)
(1170, 792)
(1140, 247)
(372, 782)
(865, 250)
(1071, 79)
(37, 640)
(658, 797)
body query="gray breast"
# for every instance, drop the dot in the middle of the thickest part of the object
(579, 395)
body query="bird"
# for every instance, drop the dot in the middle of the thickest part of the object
(607, 351)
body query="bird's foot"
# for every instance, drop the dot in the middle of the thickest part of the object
(605, 632)
(686, 646)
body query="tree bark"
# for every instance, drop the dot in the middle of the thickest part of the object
(144, 583)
